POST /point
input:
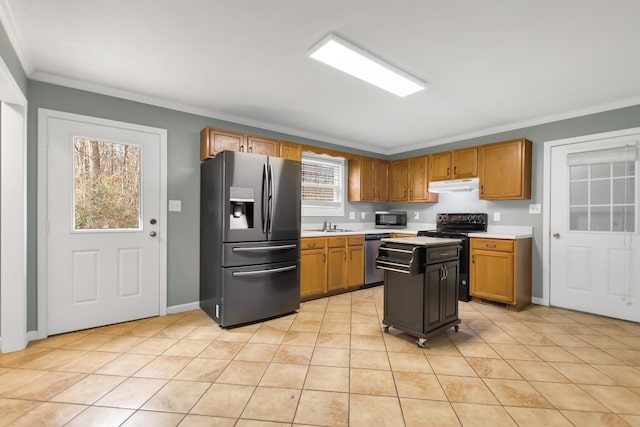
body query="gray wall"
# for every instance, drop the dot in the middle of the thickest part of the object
(183, 176)
(11, 60)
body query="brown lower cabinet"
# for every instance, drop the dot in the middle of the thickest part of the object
(500, 270)
(331, 265)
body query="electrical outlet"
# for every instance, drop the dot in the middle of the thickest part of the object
(362, 215)
(535, 209)
(496, 216)
(416, 215)
(352, 215)
(175, 205)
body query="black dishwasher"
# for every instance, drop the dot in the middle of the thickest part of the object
(420, 288)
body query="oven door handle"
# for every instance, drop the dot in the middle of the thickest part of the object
(258, 272)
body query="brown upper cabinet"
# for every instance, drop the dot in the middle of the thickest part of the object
(419, 180)
(368, 180)
(399, 180)
(409, 180)
(213, 141)
(457, 164)
(290, 150)
(260, 145)
(505, 170)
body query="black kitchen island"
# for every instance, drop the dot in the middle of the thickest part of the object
(420, 285)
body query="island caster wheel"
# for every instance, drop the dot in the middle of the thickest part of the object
(421, 342)
(386, 329)
(455, 328)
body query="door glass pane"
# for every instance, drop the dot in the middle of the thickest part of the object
(624, 191)
(630, 218)
(601, 192)
(579, 219)
(106, 185)
(623, 169)
(601, 218)
(579, 172)
(601, 170)
(578, 193)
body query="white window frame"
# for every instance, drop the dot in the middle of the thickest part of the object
(313, 209)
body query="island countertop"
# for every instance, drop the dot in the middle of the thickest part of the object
(423, 241)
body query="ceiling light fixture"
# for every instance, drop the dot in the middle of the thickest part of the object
(346, 57)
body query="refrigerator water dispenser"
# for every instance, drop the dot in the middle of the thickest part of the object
(241, 209)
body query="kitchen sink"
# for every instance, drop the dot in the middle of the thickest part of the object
(333, 230)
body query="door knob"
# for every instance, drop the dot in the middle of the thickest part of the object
(556, 235)
(153, 234)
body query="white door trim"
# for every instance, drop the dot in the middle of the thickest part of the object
(43, 116)
(13, 214)
(546, 202)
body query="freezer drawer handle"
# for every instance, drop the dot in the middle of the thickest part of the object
(264, 248)
(257, 272)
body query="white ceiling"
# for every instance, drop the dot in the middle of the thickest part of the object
(490, 65)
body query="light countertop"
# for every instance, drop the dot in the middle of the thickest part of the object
(493, 232)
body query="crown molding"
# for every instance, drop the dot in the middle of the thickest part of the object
(600, 108)
(9, 24)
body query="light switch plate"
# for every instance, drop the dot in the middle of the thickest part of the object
(352, 215)
(175, 205)
(535, 208)
(363, 215)
(496, 216)
(416, 215)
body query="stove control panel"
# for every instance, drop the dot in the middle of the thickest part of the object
(461, 218)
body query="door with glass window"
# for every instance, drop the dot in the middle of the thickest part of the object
(103, 200)
(594, 244)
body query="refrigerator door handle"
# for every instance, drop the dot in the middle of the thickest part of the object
(270, 208)
(264, 248)
(265, 190)
(268, 271)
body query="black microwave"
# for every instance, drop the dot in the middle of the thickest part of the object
(391, 219)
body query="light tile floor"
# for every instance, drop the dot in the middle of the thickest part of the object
(331, 365)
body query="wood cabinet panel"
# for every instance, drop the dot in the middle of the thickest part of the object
(355, 265)
(290, 150)
(419, 180)
(313, 272)
(500, 270)
(456, 164)
(259, 145)
(505, 170)
(368, 180)
(336, 268)
(382, 180)
(465, 163)
(213, 141)
(399, 180)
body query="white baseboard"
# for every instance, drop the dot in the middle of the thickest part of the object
(31, 336)
(539, 301)
(183, 307)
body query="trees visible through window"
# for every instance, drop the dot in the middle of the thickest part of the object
(106, 185)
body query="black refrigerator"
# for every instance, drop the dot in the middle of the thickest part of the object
(249, 237)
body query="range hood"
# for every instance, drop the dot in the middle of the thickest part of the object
(454, 185)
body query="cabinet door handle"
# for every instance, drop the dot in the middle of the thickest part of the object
(311, 245)
(446, 272)
(448, 171)
(251, 149)
(345, 255)
(455, 170)
(324, 258)
(491, 245)
(350, 254)
(473, 259)
(242, 148)
(482, 189)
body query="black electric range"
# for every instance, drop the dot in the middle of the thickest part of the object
(458, 226)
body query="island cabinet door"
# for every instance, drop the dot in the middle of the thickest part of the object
(403, 296)
(432, 297)
(450, 291)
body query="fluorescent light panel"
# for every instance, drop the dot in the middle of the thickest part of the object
(344, 56)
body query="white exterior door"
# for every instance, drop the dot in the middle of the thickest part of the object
(594, 242)
(104, 212)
